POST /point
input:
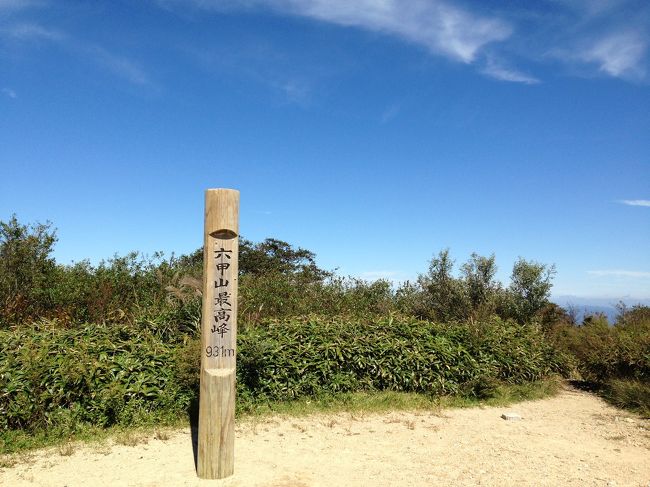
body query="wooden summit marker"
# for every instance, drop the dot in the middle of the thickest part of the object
(215, 459)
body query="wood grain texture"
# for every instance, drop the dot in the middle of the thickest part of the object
(216, 435)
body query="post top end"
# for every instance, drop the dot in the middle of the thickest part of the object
(210, 190)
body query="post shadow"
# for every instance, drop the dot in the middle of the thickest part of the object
(193, 416)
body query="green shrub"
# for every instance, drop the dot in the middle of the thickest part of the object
(629, 393)
(278, 296)
(296, 358)
(102, 375)
(615, 360)
(105, 375)
(604, 352)
(476, 295)
(26, 270)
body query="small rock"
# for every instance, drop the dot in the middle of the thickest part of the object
(629, 420)
(611, 483)
(511, 416)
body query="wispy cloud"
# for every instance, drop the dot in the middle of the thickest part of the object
(118, 65)
(29, 31)
(295, 90)
(14, 5)
(619, 54)
(496, 70)
(604, 35)
(635, 202)
(439, 26)
(620, 273)
(9, 92)
(260, 63)
(391, 112)
(591, 7)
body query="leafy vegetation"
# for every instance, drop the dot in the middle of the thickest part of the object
(96, 374)
(613, 359)
(67, 379)
(277, 281)
(26, 267)
(116, 343)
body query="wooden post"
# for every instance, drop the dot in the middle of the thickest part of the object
(215, 459)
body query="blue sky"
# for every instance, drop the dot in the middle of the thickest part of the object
(374, 133)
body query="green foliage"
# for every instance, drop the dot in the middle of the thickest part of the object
(615, 359)
(551, 315)
(304, 332)
(633, 318)
(280, 296)
(476, 294)
(446, 298)
(311, 357)
(273, 256)
(482, 288)
(629, 393)
(111, 374)
(277, 281)
(529, 289)
(101, 375)
(604, 352)
(26, 270)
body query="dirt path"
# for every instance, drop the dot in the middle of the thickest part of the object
(571, 439)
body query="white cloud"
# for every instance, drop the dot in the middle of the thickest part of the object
(116, 64)
(295, 90)
(9, 5)
(31, 31)
(500, 72)
(592, 7)
(9, 92)
(119, 65)
(607, 35)
(439, 26)
(619, 55)
(620, 273)
(391, 112)
(635, 202)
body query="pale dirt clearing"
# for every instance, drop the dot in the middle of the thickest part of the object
(571, 439)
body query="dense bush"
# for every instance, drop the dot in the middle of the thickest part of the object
(122, 289)
(628, 393)
(603, 351)
(475, 294)
(277, 280)
(303, 331)
(289, 359)
(26, 270)
(121, 375)
(614, 359)
(278, 296)
(95, 374)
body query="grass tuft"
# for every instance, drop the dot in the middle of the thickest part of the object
(66, 449)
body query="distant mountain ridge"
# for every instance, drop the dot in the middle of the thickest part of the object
(586, 306)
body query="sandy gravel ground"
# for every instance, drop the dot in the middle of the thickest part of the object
(571, 439)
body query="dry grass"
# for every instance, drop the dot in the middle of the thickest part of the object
(66, 449)
(7, 461)
(161, 435)
(131, 438)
